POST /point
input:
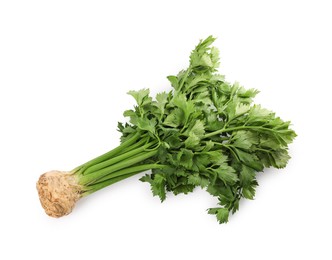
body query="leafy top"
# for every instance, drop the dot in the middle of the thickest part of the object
(210, 134)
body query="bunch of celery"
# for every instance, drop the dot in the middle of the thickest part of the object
(204, 132)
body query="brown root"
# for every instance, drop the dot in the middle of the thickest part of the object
(58, 192)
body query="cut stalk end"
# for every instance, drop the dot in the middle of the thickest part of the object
(58, 192)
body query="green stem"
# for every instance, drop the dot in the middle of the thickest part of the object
(258, 128)
(104, 184)
(116, 159)
(263, 150)
(141, 142)
(124, 172)
(94, 177)
(109, 154)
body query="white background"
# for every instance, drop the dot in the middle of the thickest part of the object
(65, 68)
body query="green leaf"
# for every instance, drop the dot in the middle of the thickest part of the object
(132, 115)
(146, 124)
(174, 119)
(208, 146)
(192, 142)
(246, 95)
(249, 159)
(185, 158)
(280, 158)
(195, 133)
(139, 95)
(257, 114)
(222, 214)
(214, 55)
(162, 97)
(174, 81)
(245, 139)
(157, 183)
(217, 157)
(197, 128)
(227, 174)
(249, 192)
(161, 101)
(173, 141)
(198, 180)
(184, 188)
(213, 123)
(267, 142)
(241, 109)
(194, 82)
(201, 162)
(187, 106)
(247, 176)
(203, 58)
(226, 196)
